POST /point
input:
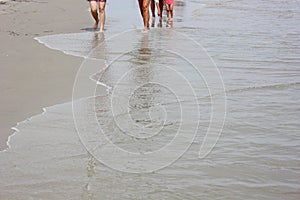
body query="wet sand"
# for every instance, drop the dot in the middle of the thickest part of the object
(256, 48)
(31, 75)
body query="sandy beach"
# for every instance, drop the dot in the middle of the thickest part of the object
(32, 76)
(206, 107)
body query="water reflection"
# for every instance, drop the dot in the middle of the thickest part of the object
(99, 46)
(99, 38)
(142, 99)
(141, 58)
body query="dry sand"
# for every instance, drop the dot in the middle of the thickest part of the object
(33, 76)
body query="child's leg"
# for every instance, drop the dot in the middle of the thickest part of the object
(168, 11)
(171, 11)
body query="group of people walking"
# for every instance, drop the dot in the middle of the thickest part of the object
(98, 8)
(159, 4)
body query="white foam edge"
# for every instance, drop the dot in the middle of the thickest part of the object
(39, 39)
(44, 110)
(16, 130)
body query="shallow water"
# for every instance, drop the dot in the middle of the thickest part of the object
(154, 90)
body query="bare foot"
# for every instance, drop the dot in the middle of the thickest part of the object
(96, 24)
(146, 30)
(101, 30)
(159, 24)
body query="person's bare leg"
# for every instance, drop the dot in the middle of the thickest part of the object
(102, 15)
(146, 14)
(168, 12)
(171, 12)
(153, 10)
(94, 12)
(161, 8)
(158, 10)
(141, 6)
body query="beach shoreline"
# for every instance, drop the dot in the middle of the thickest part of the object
(216, 123)
(33, 76)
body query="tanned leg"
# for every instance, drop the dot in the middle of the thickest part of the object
(161, 8)
(153, 10)
(168, 12)
(158, 10)
(141, 6)
(94, 12)
(146, 13)
(102, 15)
(171, 11)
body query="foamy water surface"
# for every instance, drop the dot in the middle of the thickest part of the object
(144, 97)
